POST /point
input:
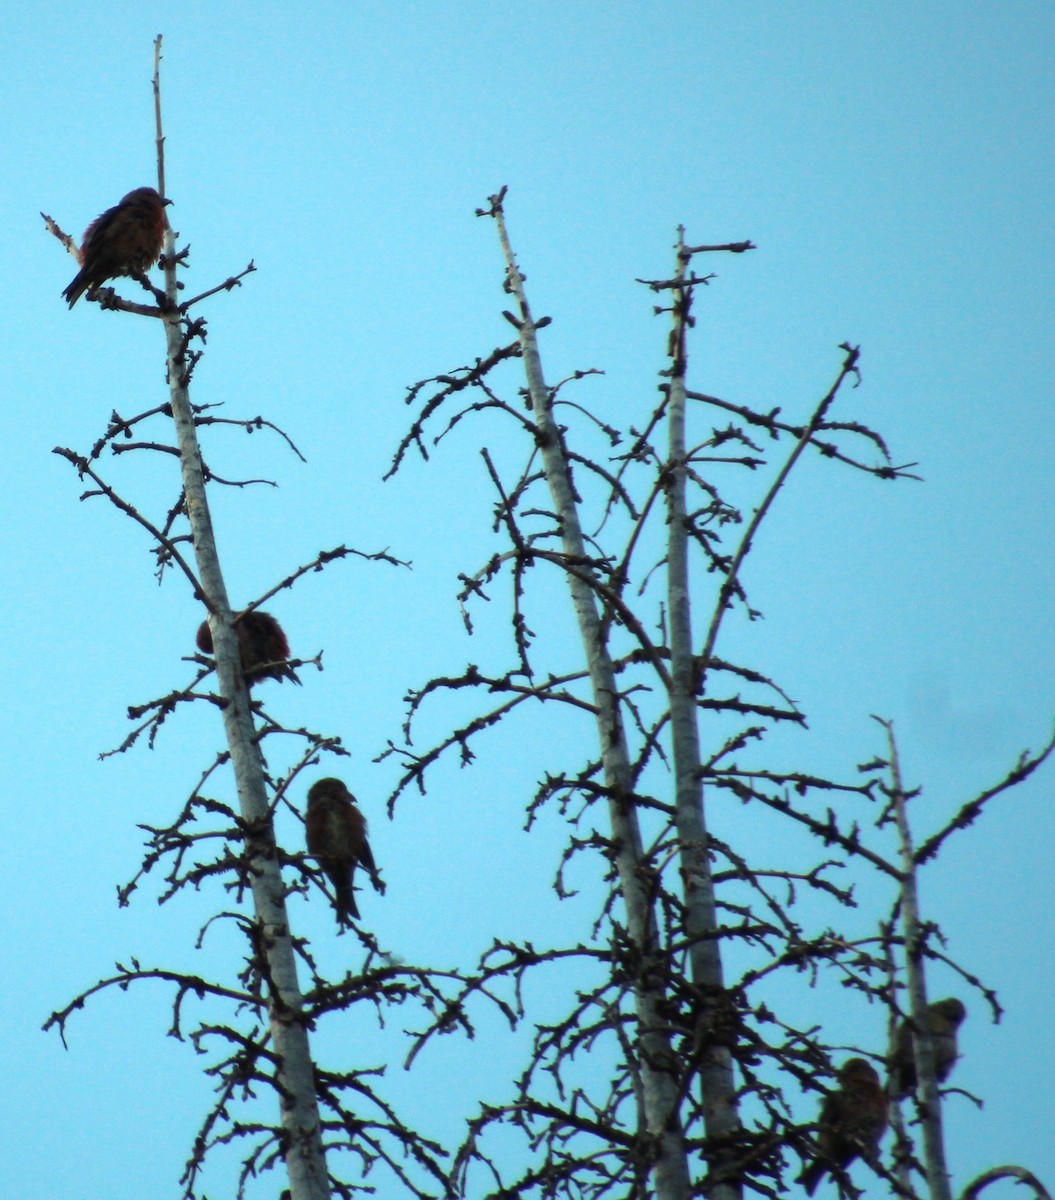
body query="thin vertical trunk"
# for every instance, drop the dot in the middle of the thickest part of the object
(933, 1136)
(657, 1063)
(721, 1120)
(303, 1150)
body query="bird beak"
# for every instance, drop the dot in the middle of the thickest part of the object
(164, 202)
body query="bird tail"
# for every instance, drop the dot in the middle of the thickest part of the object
(276, 670)
(811, 1176)
(346, 905)
(76, 289)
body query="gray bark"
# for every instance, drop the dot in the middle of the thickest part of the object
(304, 1155)
(930, 1100)
(658, 1068)
(721, 1120)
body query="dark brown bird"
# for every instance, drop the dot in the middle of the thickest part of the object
(336, 836)
(124, 240)
(852, 1122)
(262, 645)
(944, 1018)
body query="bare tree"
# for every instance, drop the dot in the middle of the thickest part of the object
(700, 1090)
(253, 1026)
(679, 1059)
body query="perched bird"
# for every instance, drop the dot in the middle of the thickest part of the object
(336, 836)
(124, 240)
(943, 1019)
(261, 643)
(853, 1119)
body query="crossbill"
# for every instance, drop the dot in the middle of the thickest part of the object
(262, 645)
(124, 240)
(336, 835)
(853, 1120)
(943, 1018)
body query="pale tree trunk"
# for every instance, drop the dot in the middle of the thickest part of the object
(657, 1063)
(295, 1075)
(721, 1120)
(930, 1101)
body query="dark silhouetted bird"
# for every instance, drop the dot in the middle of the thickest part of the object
(336, 835)
(124, 240)
(853, 1119)
(944, 1018)
(262, 645)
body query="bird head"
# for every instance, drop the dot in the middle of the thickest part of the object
(328, 789)
(857, 1069)
(951, 1009)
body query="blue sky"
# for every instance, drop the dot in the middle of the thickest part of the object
(893, 165)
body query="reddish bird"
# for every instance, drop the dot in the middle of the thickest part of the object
(944, 1018)
(853, 1120)
(336, 836)
(124, 240)
(261, 643)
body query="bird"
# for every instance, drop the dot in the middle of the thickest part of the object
(853, 1120)
(943, 1018)
(262, 645)
(335, 830)
(124, 240)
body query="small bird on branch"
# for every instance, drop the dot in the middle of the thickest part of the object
(262, 646)
(853, 1120)
(336, 835)
(943, 1018)
(124, 240)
